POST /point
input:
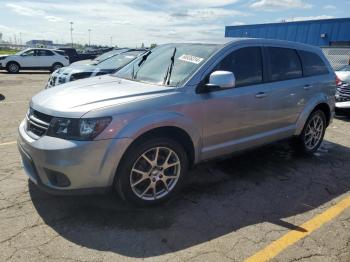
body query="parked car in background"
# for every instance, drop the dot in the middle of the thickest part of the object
(34, 59)
(100, 58)
(343, 74)
(109, 65)
(74, 56)
(140, 129)
(342, 105)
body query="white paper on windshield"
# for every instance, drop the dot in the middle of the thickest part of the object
(129, 56)
(191, 59)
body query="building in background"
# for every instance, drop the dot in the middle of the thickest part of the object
(327, 32)
(332, 35)
(36, 43)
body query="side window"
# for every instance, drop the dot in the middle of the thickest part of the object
(284, 64)
(246, 64)
(29, 53)
(312, 64)
(44, 53)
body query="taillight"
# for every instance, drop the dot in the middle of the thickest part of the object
(338, 81)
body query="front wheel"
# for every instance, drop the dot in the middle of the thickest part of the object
(312, 135)
(12, 67)
(151, 171)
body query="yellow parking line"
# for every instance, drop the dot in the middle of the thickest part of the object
(8, 143)
(292, 237)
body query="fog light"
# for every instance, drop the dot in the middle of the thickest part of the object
(57, 179)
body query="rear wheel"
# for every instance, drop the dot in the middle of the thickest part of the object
(56, 66)
(152, 171)
(312, 136)
(12, 67)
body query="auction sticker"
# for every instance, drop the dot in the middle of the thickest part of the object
(191, 59)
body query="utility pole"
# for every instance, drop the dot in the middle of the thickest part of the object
(111, 41)
(71, 32)
(89, 37)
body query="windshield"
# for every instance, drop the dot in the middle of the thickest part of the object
(168, 64)
(109, 54)
(120, 60)
(345, 68)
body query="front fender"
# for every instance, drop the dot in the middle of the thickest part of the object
(310, 106)
(143, 124)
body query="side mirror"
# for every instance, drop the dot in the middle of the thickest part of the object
(222, 79)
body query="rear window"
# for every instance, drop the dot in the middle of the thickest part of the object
(312, 64)
(284, 64)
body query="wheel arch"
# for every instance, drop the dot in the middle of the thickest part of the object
(319, 102)
(13, 61)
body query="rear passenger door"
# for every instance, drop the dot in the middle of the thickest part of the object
(45, 58)
(286, 87)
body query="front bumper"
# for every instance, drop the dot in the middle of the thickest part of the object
(89, 166)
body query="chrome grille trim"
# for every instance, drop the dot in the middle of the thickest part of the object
(36, 124)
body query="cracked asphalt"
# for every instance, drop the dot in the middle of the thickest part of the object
(228, 210)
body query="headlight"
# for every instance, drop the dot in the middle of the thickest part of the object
(77, 129)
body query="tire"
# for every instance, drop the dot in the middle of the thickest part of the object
(13, 67)
(142, 182)
(56, 66)
(313, 132)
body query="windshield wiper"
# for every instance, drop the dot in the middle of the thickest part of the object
(170, 69)
(144, 58)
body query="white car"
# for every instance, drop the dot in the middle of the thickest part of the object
(34, 59)
(343, 74)
(342, 105)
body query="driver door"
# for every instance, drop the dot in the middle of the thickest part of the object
(27, 59)
(237, 118)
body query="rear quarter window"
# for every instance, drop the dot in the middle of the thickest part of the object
(312, 64)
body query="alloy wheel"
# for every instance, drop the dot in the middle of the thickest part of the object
(155, 173)
(313, 132)
(13, 67)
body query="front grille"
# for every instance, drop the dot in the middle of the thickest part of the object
(343, 93)
(37, 123)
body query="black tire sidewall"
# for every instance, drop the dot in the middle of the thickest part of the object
(53, 66)
(8, 67)
(302, 136)
(122, 179)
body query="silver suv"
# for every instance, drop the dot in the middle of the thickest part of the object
(139, 130)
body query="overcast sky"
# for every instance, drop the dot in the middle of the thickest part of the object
(131, 22)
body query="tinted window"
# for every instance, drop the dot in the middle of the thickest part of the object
(44, 53)
(312, 64)
(284, 64)
(246, 64)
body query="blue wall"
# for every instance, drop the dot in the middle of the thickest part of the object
(308, 32)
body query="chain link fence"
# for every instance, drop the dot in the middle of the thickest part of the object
(337, 56)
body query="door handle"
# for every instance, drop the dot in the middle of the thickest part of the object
(307, 87)
(261, 95)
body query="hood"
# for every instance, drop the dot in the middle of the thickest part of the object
(82, 62)
(76, 98)
(69, 70)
